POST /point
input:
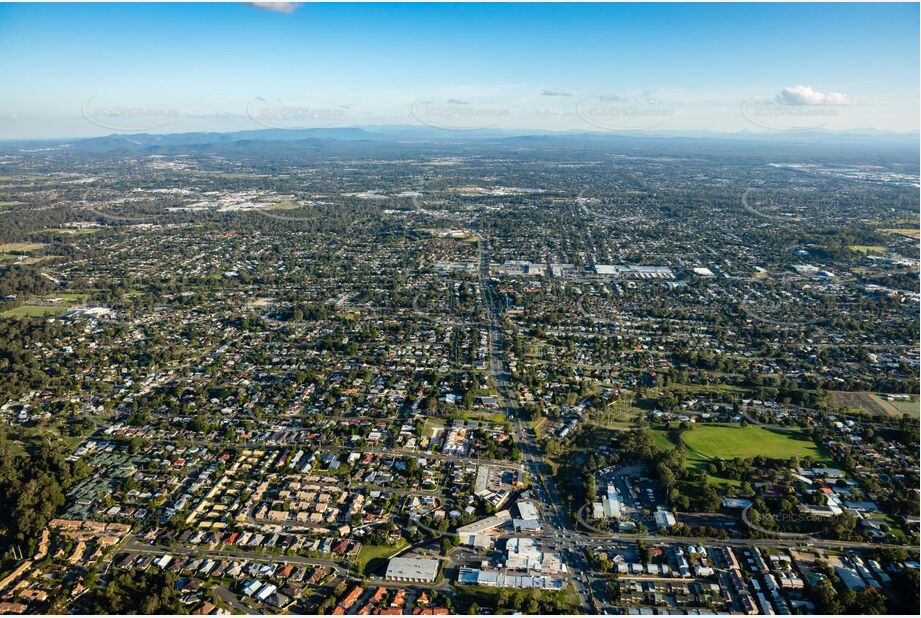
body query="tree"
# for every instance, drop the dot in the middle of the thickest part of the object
(907, 601)
(868, 601)
(825, 597)
(136, 592)
(136, 444)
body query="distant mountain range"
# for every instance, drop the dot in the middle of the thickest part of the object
(402, 138)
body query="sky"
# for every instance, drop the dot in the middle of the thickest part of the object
(73, 70)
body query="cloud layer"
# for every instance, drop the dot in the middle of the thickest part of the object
(804, 95)
(277, 7)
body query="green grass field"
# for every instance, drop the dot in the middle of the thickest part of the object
(34, 311)
(62, 302)
(472, 415)
(662, 440)
(71, 297)
(874, 249)
(72, 231)
(705, 443)
(20, 247)
(619, 415)
(371, 557)
(727, 442)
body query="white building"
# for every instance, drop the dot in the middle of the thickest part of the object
(420, 570)
(665, 519)
(611, 503)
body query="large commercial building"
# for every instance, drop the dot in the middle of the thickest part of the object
(418, 570)
(524, 554)
(498, 579)
(634, 272)
(664, 519)
(611, 503)
(528, 519)
(484, 525)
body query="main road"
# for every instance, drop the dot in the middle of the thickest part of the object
(564, 535)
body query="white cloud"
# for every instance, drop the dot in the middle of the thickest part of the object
(556, 93)
(804, 95)
(277, 7)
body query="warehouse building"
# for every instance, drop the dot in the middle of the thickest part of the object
(417, 570)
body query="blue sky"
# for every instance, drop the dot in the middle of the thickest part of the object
(91, 69)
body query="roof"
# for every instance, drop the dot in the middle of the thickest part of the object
(412, 568)
(527, 509)
(485, 524)
(351, 597)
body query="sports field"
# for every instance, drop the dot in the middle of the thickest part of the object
(728, 441)
(20, 247)
(71, 231)
(34, 311)
(869, 249)
(48, 306)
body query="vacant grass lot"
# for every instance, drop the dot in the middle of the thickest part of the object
(372, 558)
(431, 426)
(909, 231)
(475, 415)
(872, 403)
(912, 408)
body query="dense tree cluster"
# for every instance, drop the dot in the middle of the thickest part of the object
(137, 592)
(32, 488)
